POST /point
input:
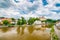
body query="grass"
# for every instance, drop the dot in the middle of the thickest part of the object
(53, 34)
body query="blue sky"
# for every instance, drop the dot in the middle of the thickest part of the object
(30, 8)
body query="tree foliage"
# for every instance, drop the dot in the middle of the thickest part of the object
(32, 20)
(51, 21)
(6, 22)
(13, 19)
(21, 21)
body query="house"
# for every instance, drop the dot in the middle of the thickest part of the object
(2, 19)
(42, 18)
(57, 25)
(37, 22)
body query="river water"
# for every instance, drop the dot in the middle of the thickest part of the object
(24, 33)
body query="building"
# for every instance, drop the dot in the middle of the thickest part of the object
(2, 19)
(37, 22)
(58, 25)
(42, 18)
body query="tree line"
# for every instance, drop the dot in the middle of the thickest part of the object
(30, 21)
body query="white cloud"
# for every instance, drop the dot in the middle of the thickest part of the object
(27, 9)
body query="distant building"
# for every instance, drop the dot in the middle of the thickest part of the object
(42, 18)
(2, 19)
(37, 22)
(58, 25)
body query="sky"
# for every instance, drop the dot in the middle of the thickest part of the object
(30, 8)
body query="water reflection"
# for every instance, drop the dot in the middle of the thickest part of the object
(30, 29)
(18, 30)
(4, 29)
(22, 31)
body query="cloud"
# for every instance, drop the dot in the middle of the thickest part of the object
(30, 8)
(5, 4)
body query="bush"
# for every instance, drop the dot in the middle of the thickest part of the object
(10, 25)
(6, 22)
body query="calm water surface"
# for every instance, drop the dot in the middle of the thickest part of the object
(24, 33)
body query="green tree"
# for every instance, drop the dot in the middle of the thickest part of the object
(23, 20)
(37, 19)
(50, 22)
(6, 22)
(32, 20)
(19, 22)
(13, 19)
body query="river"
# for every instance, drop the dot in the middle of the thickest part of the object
(23, 33)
